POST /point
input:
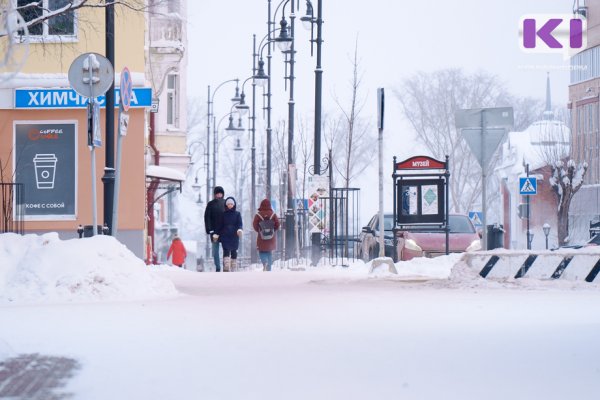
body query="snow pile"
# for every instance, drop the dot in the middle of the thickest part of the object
(35, 268)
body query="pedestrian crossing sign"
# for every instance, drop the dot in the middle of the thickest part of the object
(528, 185)
(476, 218)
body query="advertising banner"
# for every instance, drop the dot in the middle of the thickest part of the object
(44, 162)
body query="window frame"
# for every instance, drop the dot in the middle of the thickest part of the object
(174, 106)
(46, 37)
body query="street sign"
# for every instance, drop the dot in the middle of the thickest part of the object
(501, 117)
(476, 218)
(528, 186)
(126, 89)
(380, 107)
(484, 129)
(483, 146)
(91, 75)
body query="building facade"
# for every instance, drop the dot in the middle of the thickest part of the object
(43, 125)
(166, 71)
(584, 89)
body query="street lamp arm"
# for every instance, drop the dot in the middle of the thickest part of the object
(279, 6)
(212, 98)
(191, 151)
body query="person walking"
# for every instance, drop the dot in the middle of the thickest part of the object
(229, 234)
(177, 250)
(213, 219)
(266, 223)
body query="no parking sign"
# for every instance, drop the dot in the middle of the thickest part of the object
(126, 88)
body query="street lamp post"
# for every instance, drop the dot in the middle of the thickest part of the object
(243, 107)
(210, 113)
(546, 228)
(198, 187)
(309, 21)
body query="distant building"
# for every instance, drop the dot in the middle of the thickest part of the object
(584, 89)
(541, 143)
(166, 70)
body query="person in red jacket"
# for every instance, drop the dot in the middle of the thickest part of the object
(266, 223)
(177, 249)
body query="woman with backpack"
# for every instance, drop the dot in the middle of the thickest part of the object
(266, 223)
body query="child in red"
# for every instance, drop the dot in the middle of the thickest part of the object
(177, 249)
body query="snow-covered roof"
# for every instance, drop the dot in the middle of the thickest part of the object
(534, 146)
(170, 174)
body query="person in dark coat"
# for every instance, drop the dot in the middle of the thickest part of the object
(265, 246)
(213, 219)
(229, 234)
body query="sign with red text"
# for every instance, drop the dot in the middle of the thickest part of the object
(420, 162)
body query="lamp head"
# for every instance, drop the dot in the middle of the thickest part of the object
(308, 19)
(546, 229)
(242, 107)
(284, 40)
(260, 79)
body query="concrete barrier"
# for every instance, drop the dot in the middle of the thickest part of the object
(581, 264)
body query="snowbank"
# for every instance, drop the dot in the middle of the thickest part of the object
(43, 268)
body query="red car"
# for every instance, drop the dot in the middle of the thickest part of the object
(428, 243)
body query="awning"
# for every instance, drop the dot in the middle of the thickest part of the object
(164, 173)
(164, 178)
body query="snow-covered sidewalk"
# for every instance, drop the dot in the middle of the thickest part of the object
(322, 333)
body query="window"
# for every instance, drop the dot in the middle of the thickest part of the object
(172, 100)
(58, 27)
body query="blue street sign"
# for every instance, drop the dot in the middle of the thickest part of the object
(476, 218)
(528, 186)
(68, 98)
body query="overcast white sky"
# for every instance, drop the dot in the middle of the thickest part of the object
(395, 40)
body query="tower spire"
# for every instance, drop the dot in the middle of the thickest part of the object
(548, 114)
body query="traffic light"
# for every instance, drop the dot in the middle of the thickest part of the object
(522, 211)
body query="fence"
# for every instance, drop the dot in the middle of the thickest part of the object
(12, 208)
(342, 229)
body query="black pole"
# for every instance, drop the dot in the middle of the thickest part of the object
(447, 200)
(253, 253)
(109, 170)
(208, 188)
(316, 237)
(528, 211)
(269, 130)
(290, 225)
(318, 92)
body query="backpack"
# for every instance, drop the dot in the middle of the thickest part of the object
(266, 227)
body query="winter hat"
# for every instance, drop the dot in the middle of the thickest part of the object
(218, 189)
(230, 201)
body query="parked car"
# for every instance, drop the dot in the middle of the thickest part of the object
(418, 242)
(368, 245)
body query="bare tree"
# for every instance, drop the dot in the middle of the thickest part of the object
(566, 180)
(196, 115)
(429, 102)
(304, 156)
(349, 142)
(279, 161)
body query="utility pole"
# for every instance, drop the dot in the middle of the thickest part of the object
(109, 170)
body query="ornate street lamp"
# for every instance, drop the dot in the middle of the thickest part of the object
(309, 22)
(546, 229)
